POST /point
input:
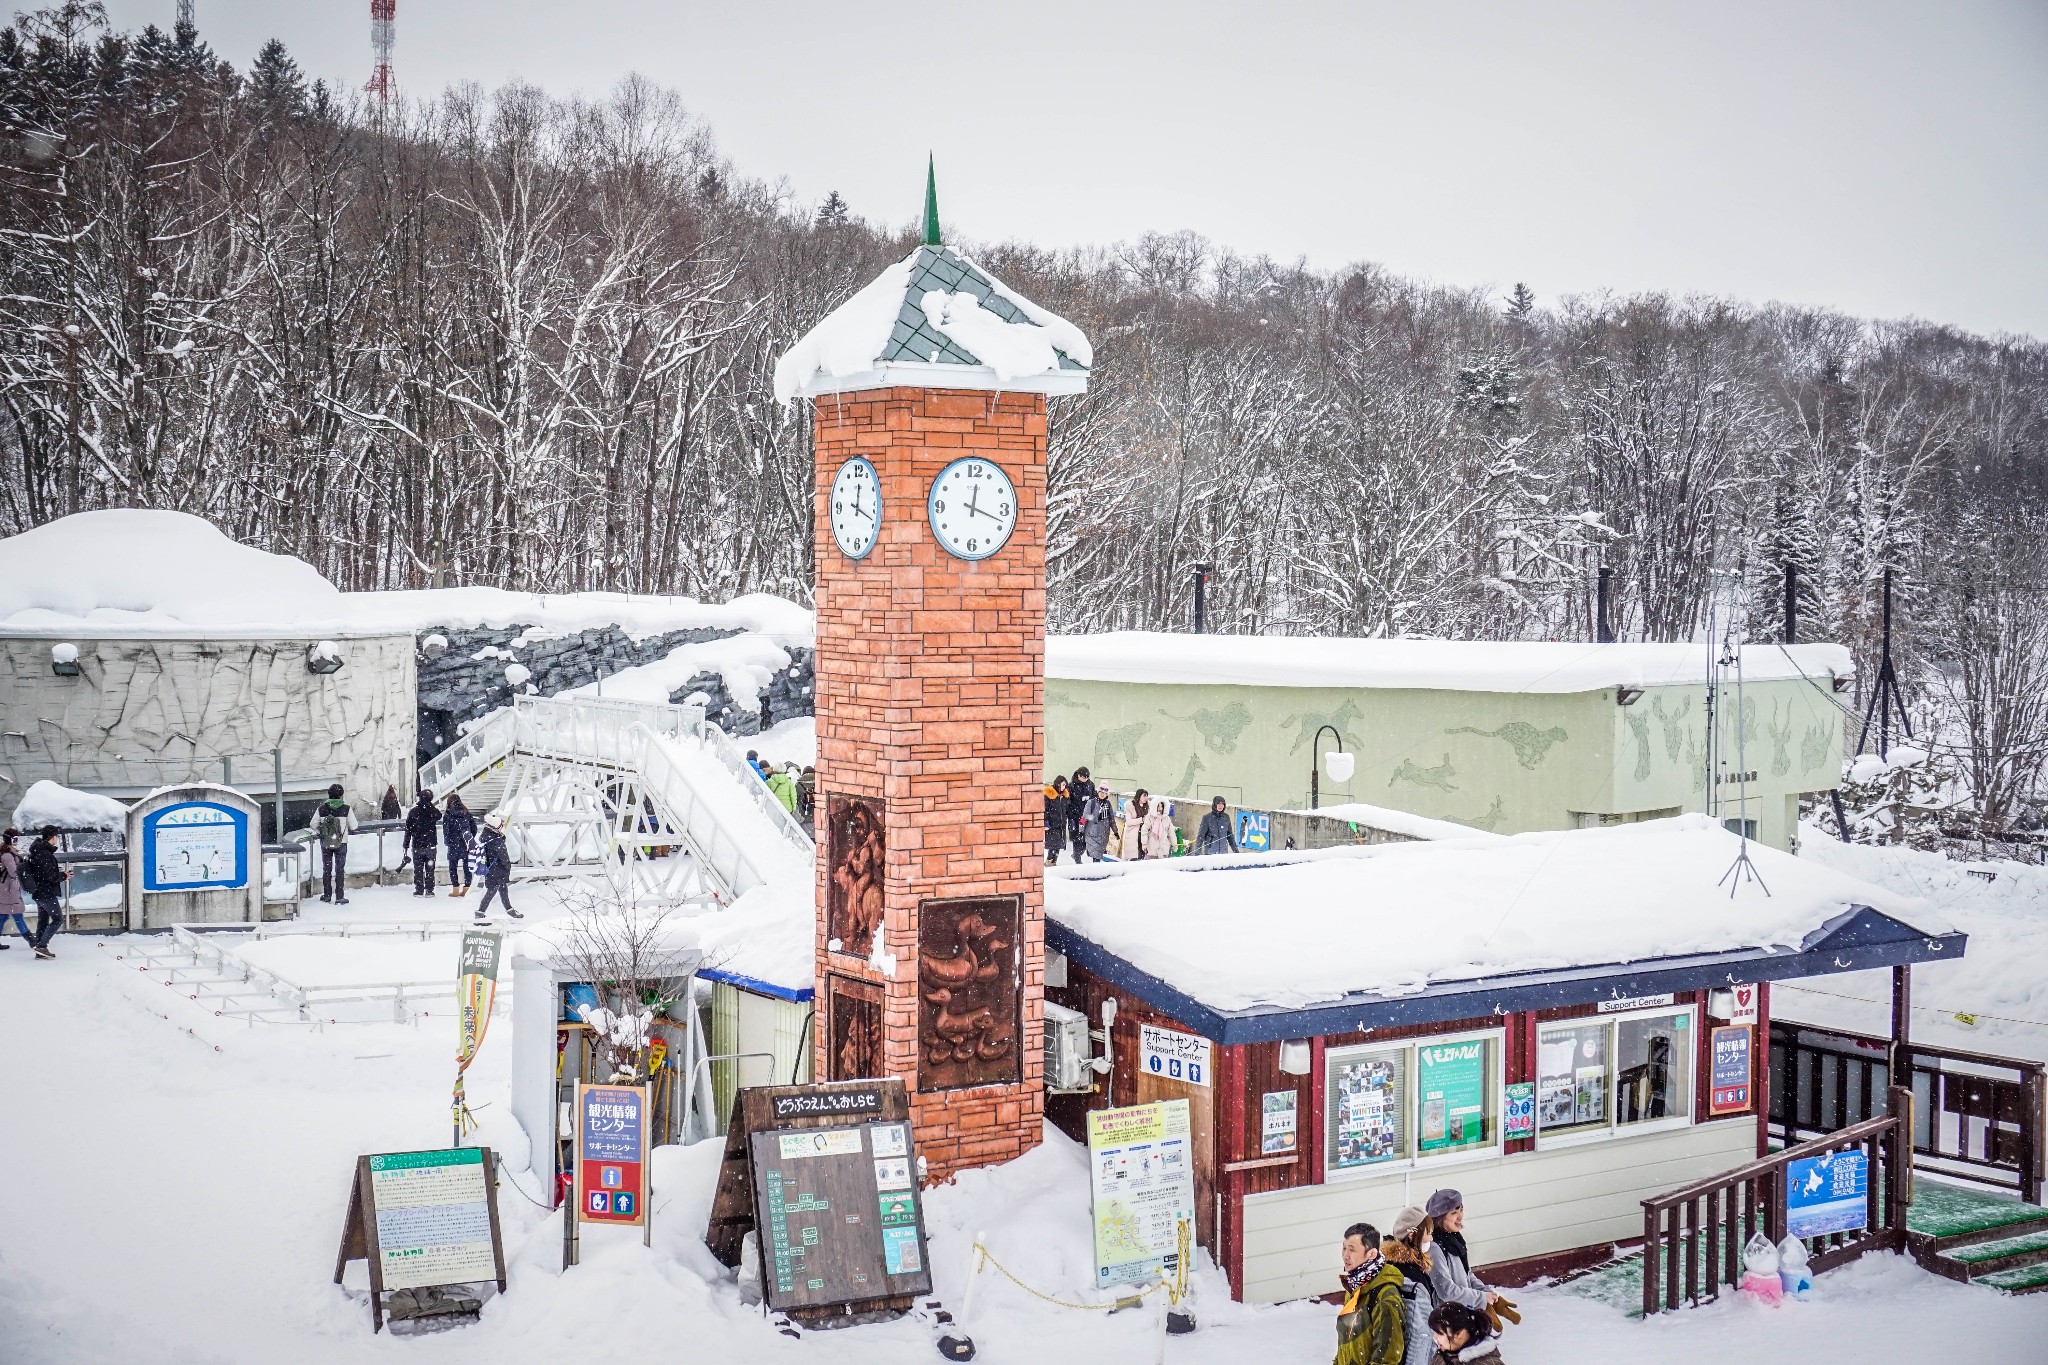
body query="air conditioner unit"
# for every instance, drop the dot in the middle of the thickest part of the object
(1067, 1051)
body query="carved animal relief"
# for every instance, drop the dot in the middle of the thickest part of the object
(970, 989)
(853, 879)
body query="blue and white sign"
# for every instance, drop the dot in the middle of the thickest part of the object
(1254, 831)
(1826, 1194)
(1172, 1055)
(193, 846)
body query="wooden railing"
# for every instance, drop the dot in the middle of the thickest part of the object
(1693, 1238)
(1977, 1118)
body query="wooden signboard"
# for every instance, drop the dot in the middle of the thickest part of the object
(423, 1219)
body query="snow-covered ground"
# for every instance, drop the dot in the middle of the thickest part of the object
(180, 1183)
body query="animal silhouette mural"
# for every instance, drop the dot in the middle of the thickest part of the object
(1186, 786)
(854, 861)
(1306, 723)
(1673, 723)
(1438, 777)
(1219, 729)
(1781, 740)
(1639, 731)
(1490, 822)
(970, 988)
(1057, 699)
(1529, 743)
(1122, 741)
(1814, 743)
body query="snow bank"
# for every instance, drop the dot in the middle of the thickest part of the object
(746, 662)
(1390, 919)
(768, 934)
(1455, 665)
(788, 741)
(49, 803)
(1398, 821)
(551, 614)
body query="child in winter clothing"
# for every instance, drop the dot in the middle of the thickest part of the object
(1407, 1249)
(1370, 1327)
(1098, 822)
(1463, 1336)
(333, 822)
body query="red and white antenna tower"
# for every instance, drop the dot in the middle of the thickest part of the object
(383, 29)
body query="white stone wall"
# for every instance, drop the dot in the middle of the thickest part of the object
(145, 713)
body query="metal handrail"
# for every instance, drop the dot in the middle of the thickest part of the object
(722, 747)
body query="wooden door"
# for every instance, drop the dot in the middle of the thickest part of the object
(1202, 1134)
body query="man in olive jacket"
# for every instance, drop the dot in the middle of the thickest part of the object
(1370, 1326)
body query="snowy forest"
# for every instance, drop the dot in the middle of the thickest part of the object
(510, 338)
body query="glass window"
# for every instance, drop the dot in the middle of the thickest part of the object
(1366, 1103)
(1455, 1096)
(1653, 1055)
(1571, 1078)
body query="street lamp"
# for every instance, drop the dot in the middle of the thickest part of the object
(1336, 762)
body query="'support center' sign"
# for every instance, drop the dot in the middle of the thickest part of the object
(1142, 1178)
(1172, 1055)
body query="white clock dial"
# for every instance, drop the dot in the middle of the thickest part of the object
(856, 508)
(973, 507)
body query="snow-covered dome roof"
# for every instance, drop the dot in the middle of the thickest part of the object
(936, 320)
(131, 571)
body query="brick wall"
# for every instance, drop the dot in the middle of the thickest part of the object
(930, 695)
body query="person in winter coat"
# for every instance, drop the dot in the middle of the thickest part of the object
(1079, 788)
(1450, 1271)
(11, 904)
(43, 879)
(1057, 798)
(458, 832)
(1407, 1249)
(754, 762)
(1370, 1327)
(497, 867)
(390, 808)
(1099, 822)
(333, 822)
(782, 783)
(1215, 834)
(422, 826)
(1462, 1336)
(807, 795)
(1148, 828)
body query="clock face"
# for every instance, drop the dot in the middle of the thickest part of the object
(856, 508)
(973, 508)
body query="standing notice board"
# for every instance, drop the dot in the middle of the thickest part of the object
(423, 1219)
(194, 845)
(611, 1154)
(839, 1215)
(1141, 1171)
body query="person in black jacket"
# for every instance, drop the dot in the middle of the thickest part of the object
(422, 824)
(1056, 804)
(497, 867)
(1079, 788)
(44, 879)
(458, 830)
(1215, 834)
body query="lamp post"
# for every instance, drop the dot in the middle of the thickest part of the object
(1340, 764)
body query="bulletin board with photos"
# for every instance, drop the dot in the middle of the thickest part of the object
(1611, 1074)
(1434, 1097)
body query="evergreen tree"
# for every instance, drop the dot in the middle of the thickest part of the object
(833, 212)
(275, 82)
(1521, 302)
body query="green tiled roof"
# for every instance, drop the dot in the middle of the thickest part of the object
(915, 340)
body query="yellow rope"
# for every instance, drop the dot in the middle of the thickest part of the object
(1175, 1290)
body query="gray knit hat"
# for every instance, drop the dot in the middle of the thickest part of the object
(1443, 1202)
(1406, 1221)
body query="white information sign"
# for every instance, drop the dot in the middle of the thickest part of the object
(1141, 1170)
(433, 1218)
(1635, 1002)
(1744, 1008)
(1172, 1055)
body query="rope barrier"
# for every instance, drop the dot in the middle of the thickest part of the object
(1917, 1009)
(1176, 1288)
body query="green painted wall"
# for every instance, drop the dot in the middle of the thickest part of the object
(1505, 762)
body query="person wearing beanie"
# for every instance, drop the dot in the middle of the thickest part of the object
(1462, 1336)
(1450, 1271)
(1371, 1326)
(1407, 1249)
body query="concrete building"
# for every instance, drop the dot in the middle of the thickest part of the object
(1503, 737)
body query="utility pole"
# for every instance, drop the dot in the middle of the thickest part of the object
(1884, 698)
(1201, 582)
(383, 36)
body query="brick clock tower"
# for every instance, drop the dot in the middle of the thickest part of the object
(929, 392)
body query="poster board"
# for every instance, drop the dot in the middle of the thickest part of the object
(1828, 1193)
(841, 1219)
(1141, 1173)
(1729, 1062)
(423, 1219)
(195, 845)
(611, 1154)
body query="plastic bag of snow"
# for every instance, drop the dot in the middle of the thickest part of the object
(51, 803)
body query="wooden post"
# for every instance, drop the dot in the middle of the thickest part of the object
(1901, 1054)
(1899, 1100)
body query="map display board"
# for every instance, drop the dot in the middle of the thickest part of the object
(839, 1215)
(1825, 1194)
(1141, 1168)
(611, 1154)
(194, 845)
(423, 1218)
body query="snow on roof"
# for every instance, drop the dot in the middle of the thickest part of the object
(1455, 665)
(935, 318)
(767, 935)
(51, 803)
(746, 663)
(129, 573)
(1390, 919)
(1399, 822)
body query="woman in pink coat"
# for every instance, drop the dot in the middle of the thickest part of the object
(10, 886)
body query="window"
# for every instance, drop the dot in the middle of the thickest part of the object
(1735, 825)
(1435, 1098)
(1586, 819)
(1596, 1077)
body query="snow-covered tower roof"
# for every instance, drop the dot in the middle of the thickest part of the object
(935, 319)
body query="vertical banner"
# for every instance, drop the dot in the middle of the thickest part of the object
(476, 988)
(611, 1154)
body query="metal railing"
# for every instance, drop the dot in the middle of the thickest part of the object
(1977, 1118)
(1693, 1237)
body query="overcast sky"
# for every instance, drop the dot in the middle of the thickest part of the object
(1884, 158)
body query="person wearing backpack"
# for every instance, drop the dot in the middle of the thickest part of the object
(11, 904)
(333, 822)
(1371, 1325)
(43, 878)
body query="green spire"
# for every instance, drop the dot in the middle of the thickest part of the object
(931, 201)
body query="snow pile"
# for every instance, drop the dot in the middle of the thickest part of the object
(1456, 665)
(128, 569)
(743, 821)
(1398, 821)
(550, 615)
(50, 803)
(788, 741)
(849, 340)
(66, 653)
(1014, 350)
(518, 675)
(745, 662)
(1993, 1000)
(767, 935)
(1389, 919)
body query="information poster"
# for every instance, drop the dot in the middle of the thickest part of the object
(194, 845)
(1278, 1123)
(1518, 1118)
(1729, 1055)
(611, 1154)
(1452, 1082)
(1366, 1111)
(1571, 1077)
(1173, 1055)
(838, 1215)
(433, 1218)
(1826, 1194)
(1142, 1180)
